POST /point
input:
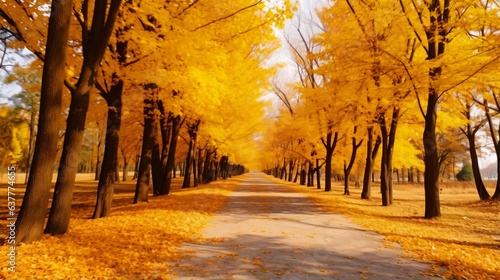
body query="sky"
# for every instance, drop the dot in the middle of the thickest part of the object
(11, 59)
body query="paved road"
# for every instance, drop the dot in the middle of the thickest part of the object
(267, 231)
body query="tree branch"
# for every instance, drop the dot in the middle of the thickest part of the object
(228, 16)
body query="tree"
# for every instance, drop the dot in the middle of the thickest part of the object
(470, 131)
(465, 174)
(95, 35)
(27, 103)
(31, 219)
(449, 35)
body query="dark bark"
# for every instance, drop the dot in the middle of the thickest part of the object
(95, 42)
(30, 222)
(165, 129)
(303, 174)
(388, 140)
(470, 133)
(296, 174)
(193, 131)
(348, 168)
(291, 166)
(481, 189)
(330, 148)
(283, 170)
(195, 168)
(181, 169)
(156, 162)
(63, 192)
(496, 145)
(207, 172)
(143, 176)
(436, 35)
(107, 179)
(167, 180)
(224, 167)
(186, 183)
(309, 174)
(371, 154)
(318, 175)
(431, 159)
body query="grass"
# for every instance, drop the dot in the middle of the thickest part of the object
(464, 243)
(138, 241)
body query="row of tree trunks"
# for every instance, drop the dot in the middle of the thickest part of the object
(94, 45)
(159, 144)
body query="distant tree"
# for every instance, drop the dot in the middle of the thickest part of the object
(465, 174)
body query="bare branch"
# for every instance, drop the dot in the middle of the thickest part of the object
(228, 16)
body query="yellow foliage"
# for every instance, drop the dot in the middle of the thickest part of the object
(136, 241)
(463, 240)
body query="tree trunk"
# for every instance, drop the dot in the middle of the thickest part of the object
(201, 166)
(496, 144)
(192, 130)
(348, 168)
(291, 166)
(436, 35)
(318, 175)
(136, 166)
(283, 170)
(330, 148)
(470, 133)
(187, 169)
(63, 192)
(431, 159)
(165, 130)
(303, 175)
(195, 169)
(181, 169)
(388, 140)
(100, 154)
(481, 189)
(207, 166)
(142, 185)
(310, 174)
(93, 51)
(156, 162)
(167, 180)
(105, 187)
(30, 222)
(296, 174)
(371, 154)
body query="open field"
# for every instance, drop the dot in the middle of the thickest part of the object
(465, 240)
